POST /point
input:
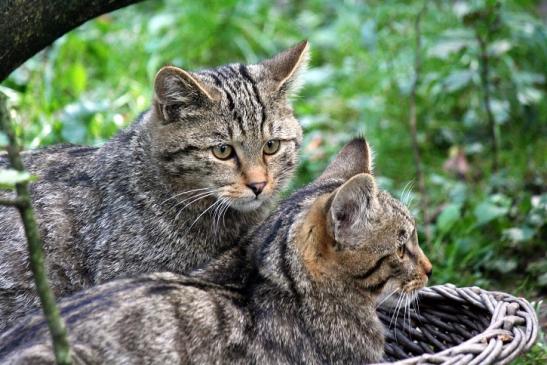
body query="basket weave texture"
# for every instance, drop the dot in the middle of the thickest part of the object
(459, 326)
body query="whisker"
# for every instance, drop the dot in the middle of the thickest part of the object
(192, 197)
(408, 310)
(183, 193)
(418, 309)
(406, 192)
(220, 209)
(202, 213)
(397, 315)
(193, 201)
(223, 213)
(413, 303)
(196, 197)
(215, 212)
(386, 298)
(393, 312)
(224, 201)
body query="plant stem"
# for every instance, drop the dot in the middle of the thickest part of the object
(412, 121)
(484, 64)
(11, 202)
(23, 204)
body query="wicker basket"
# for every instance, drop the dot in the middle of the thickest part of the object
(460, 326)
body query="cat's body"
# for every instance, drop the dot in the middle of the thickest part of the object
(303, 290)
(163, 195)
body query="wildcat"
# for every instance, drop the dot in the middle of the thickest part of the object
(302, 290)
(172, 191)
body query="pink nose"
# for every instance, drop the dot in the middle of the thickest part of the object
(257, 187)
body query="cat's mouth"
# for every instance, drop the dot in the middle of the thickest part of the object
(246, 205)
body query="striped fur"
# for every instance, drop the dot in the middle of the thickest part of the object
(155, 197)
(297, 292)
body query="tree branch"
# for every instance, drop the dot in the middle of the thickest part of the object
(28, 26)
(412, 121)
(36, 254)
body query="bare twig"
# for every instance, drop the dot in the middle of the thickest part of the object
(412, 121)
(36, 254)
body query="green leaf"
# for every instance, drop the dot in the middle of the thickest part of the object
(10, 177)
(503, 266)
(529, 96)
(445, 48)
(500, 47)
(3, 139)
(500, 109)
(488, 211)
(519, 234)
(457, 80)
(542, 280)
(78, 77)
(449, 216)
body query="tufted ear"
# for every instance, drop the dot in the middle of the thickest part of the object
(355, 158)
(284, 68)
(351, 208)
(176, 89)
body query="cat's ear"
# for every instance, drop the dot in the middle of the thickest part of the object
(355, 158)
(176, 89)
(351, 209)
(284, 68)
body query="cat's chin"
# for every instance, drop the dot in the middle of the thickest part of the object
(395, 299)
(246, 205)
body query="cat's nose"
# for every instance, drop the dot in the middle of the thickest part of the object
(257, 187)
(429, 273)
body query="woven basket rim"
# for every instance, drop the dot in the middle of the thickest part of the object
(513, 328)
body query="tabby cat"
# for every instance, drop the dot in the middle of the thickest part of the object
(303, 290)
(172, 191)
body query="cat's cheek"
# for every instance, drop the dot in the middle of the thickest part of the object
(389, 297)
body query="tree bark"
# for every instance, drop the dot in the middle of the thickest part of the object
(28, 26)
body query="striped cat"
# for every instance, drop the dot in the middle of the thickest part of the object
(178, 187)
(302, 291)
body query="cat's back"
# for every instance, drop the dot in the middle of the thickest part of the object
(53, 163)
(63, 182)
(160, 318)
(60, 173)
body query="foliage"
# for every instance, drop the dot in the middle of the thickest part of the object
(488, 227)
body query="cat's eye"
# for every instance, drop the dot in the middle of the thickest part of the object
(401, 251)
(272, 146)
(223, 151)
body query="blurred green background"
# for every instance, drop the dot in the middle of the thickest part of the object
(483, 226)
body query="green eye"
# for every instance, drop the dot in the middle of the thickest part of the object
(223, 151)
(272, 146)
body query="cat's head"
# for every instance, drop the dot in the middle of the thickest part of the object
(358, 236)
(228, 132)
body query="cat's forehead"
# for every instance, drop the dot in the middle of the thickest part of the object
(394, 209)
(244, 110)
